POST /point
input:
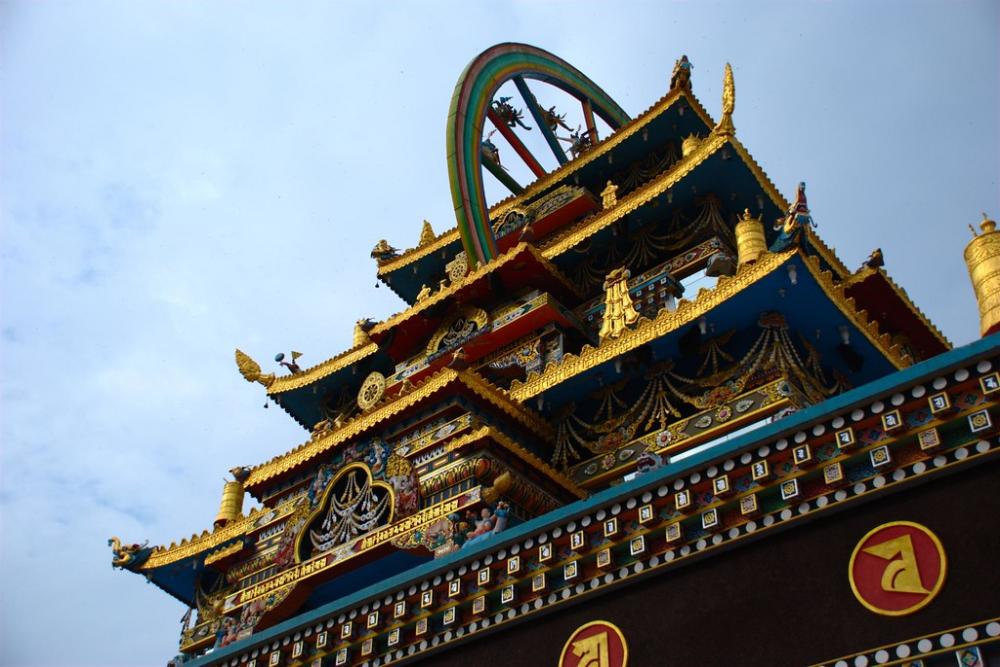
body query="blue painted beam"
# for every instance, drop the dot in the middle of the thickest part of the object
(538, 115)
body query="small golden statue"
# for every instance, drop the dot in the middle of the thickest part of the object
(618, 309)
(424, 292)
(609, 196)
(426, 234)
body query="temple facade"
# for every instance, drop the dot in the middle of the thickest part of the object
(637, 412)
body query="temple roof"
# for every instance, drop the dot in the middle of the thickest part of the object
(521, 266)
(362, 424)
(877, 292)
(688, 311)
(555, 177)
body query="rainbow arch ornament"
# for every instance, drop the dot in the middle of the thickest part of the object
(467, 114)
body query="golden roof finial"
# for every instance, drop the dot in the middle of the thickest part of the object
(987, 225)
(725, 125)
(426, 234)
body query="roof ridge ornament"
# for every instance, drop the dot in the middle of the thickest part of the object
(681, 76)
(427, 234)
(250, 369)
(725, 126)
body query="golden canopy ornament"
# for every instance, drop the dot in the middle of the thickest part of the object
(618, 309)
(251, 371)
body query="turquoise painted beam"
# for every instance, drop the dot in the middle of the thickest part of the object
(538, 115)
(501, 175)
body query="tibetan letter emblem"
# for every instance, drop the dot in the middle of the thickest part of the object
(595, 644)
(897, 568)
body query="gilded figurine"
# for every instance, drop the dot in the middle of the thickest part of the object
(508, 114)
(424, 292)
(609, 196)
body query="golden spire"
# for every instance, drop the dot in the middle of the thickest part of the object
(250, 369)
(618, 309)
(982, 256)
(725, 125)
(426, 234)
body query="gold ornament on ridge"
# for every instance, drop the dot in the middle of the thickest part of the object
(251, 371)
(426, 234)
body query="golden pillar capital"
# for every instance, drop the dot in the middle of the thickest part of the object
(982, 257)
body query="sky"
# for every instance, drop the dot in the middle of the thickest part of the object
(178, 179)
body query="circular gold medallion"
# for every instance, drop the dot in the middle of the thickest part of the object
(371, 390)
(598, 643)
(897, 568)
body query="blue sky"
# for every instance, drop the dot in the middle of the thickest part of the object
(178, 179)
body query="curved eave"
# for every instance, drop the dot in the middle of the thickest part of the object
(526, 455)
(565, 241)
(556, 176)
(362, 424)
(688, 311)
(930, 337)
(519, 252)
(208, 541)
